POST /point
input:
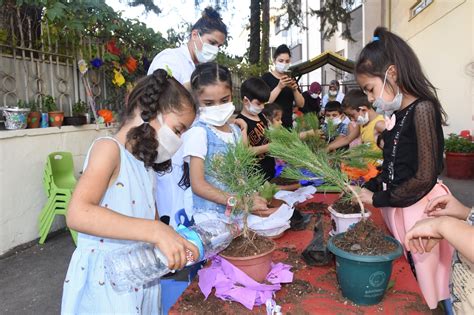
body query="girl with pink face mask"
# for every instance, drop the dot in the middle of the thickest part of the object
(210, 135)
(389, 72)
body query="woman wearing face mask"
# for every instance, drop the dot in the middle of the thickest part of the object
(334, 94)
(211, 135)
(207, 35)
(284, 88)
(389, 72)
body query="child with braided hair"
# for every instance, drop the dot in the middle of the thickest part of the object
(113, 204)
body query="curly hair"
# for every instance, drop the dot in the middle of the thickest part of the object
(154, 94)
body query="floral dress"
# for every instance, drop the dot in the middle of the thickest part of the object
(87, 289)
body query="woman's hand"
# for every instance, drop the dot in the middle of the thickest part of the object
(284, 82)
(447, 205)
(174, 246)
(424, 235)
(293, 85)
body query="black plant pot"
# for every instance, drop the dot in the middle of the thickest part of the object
(75, 121)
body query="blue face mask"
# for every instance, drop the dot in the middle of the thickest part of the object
(384, 107)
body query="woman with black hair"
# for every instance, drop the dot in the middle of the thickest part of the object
(390, 73)
(285, 90)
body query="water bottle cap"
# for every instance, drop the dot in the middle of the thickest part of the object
(194, 238)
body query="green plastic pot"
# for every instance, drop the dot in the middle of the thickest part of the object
(363, 279)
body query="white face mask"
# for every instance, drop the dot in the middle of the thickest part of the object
(281, 66)
(253, 109)
(332, 93)
(335, 121)
(362, 120)
(207, 53)
(387, 108)
(216, 115)
(168, 142)
(314, 95)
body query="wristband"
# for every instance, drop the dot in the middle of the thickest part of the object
(230, 204)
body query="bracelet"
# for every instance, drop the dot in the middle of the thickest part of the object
(230, 204)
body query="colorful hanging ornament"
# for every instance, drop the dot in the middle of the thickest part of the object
(131, 64)
(97, 62)
(118, 79)
(111, 48)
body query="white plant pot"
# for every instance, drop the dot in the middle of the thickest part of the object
(341, 222)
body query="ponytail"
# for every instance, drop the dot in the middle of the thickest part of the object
(388, 49)
(209, 22)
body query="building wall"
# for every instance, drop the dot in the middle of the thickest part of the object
(442, 36)
(23, 154)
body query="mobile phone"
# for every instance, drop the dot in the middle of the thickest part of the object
(288, 72)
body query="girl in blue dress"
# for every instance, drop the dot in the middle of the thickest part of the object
(113, 204)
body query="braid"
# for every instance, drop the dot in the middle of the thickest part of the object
(154, 94)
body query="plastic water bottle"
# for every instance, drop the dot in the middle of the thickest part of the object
(139, 264)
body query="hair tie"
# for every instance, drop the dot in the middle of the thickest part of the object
(375, 38)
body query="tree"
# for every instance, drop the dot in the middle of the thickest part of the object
(254, 36)
(265, 45)
(332, 13)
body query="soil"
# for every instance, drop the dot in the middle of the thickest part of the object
(246, 247)
(313, 207)
(365, 238)
(346, 207)
(283, 181)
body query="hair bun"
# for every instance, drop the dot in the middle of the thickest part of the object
(211, 13)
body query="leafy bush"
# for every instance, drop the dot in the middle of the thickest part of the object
(48, 104)
(457, 144)
(79, 108)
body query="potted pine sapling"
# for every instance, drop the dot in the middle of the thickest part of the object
(238, 170)
(364, 255)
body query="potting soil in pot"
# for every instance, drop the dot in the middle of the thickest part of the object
(346, 207)
(365, 238)
(242, 247)
(232, 284)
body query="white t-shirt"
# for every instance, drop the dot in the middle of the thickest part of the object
(178, 60)
(195, 142)
(170, 198)
(339, 98)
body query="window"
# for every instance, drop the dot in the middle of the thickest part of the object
(419, 6)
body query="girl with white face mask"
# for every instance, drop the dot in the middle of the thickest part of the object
(113, 203)
(210, 136)
(284, 89)
(389, 72)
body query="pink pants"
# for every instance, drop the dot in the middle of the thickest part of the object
(433, 269)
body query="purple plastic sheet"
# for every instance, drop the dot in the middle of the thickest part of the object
(234, 285)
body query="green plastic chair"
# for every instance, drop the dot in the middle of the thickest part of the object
(58, 183)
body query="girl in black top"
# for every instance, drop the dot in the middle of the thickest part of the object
(390, 74)
(284, 89)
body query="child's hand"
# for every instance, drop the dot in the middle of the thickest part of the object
(447, 205)
(174, 246)
(260, 207)
(424, 235)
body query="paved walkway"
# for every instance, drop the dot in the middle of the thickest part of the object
(31, 280)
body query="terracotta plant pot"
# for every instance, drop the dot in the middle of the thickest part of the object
(56, 119)
(460, 165)
(34, 119)
(256, 267)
